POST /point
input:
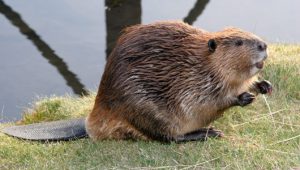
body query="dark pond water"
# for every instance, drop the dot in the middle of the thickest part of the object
(59, 47)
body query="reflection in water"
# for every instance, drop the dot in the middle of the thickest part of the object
(195, 11)
(120, 14)
(44, 48)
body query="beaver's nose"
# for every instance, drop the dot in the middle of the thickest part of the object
(266, 56)
(262, 46)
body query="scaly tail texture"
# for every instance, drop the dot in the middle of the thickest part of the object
(62, 130)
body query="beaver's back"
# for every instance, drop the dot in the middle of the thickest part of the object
(156, 64)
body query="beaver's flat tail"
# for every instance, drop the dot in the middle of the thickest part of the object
(62, 130)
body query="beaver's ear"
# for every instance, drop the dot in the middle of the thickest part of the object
(212, 45)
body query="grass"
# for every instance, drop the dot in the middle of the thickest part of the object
(264, 135)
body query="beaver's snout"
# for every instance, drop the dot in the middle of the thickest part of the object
(262, 55)
(260, 64)
(262, 46)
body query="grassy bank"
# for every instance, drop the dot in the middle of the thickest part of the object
(265, 135)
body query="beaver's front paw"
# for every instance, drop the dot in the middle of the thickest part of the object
(264, 87)
(245, 99)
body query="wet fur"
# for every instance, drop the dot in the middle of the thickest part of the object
(162, 81)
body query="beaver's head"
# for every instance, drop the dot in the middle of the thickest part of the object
(237, 53)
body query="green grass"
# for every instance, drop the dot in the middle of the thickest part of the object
(265, 135)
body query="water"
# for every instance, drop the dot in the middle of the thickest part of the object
(59, 47)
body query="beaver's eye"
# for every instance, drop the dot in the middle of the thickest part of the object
(239, 43)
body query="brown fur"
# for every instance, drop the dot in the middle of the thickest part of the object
(161, 80)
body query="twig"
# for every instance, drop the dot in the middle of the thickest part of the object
(272, 150)
(197, 165)
(260, 117)
(285, 140)
(269, 108)
(177, 166)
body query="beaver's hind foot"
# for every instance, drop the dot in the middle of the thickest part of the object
(200, 135)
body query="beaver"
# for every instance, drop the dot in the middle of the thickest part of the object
(167, 81)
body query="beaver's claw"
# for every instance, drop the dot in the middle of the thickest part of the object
(264, 87)
(245, 99)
